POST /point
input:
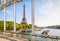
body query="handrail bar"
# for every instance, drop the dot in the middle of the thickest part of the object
(9, 3)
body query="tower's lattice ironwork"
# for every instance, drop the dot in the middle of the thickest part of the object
(24, 18)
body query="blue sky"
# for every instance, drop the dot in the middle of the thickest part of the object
(47, 12)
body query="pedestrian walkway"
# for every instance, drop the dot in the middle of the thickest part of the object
(6, 38)
(2, 39)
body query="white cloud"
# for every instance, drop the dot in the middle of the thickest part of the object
(51, 12)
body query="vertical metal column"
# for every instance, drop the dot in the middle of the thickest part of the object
(4, 16)
(14, 17)
(32, 10)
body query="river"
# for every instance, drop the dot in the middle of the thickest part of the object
(54, 32)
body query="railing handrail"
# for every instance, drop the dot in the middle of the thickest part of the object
(8, 4)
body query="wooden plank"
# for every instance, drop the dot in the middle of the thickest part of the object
(12, 38)
(43, 36)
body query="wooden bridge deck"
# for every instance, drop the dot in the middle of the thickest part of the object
(2, 39)
(6, 38)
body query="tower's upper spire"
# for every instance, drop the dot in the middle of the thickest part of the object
(24, 18)
(24, 11)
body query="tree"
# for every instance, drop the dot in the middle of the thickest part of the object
(10, 26)
(17, 27)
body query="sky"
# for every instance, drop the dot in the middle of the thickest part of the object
(46, 12)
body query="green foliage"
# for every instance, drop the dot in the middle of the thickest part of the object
(10, 25)
(55, 26)
(58, 26)
(1, 25)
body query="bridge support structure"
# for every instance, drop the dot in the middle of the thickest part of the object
(6, 4)
(14, 3)
(32, 14)
(4, 17)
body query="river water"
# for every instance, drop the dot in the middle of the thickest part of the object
(54, 32)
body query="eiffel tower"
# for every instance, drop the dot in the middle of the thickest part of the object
(24, 18)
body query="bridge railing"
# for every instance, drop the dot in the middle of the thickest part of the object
(8, 3)
(32, 37)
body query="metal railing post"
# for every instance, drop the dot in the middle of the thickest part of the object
(4, 16)
(32, 10)
(14, 18)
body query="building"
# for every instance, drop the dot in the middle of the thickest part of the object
(24, 18)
